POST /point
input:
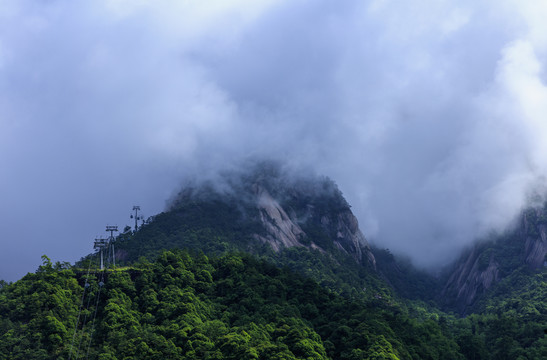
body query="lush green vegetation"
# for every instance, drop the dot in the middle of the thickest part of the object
(214, 300)
(214, 222)
(510, 321)
(507, 321)
(182, 306)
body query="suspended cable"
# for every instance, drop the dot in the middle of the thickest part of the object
(101, 284)
(86, 285)
(84, 322)
(99, 244)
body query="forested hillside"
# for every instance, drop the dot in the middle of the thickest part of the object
(305, 225)
(238, 307)
(193, 307)
(265, 266)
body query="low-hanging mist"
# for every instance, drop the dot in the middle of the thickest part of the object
(429, 115)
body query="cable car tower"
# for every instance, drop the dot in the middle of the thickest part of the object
(111, 239)
(136, 208)
(100, 244)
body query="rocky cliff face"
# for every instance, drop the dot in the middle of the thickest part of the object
(285, 222)
(349, 237)
(535, 232)
(286, 209)
(471, 278)
(281, 230)
(488, 262)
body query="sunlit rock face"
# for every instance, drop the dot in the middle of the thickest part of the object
(287, 207)
(281, 230)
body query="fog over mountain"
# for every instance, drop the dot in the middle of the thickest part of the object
(429, 115)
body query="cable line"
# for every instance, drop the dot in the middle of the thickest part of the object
(101, 284)
(84, 322)
(100, 245)
(80, 311)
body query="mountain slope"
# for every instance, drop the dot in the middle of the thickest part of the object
(288, 275)
(287, 209)
(180, 306)
(290, 218)
(487, 263)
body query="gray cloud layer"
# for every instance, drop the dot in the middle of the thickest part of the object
(430, 115)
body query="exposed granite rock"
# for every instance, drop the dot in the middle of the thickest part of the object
(349, 237)
(470, 279)
(285, 208)
(281, 230)
(535, 246)
(482, 267)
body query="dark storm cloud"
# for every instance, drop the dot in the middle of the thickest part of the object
(428, 114)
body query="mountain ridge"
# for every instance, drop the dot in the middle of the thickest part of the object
(276, 265)
(275, 209)
(489, 261)
(268, 210)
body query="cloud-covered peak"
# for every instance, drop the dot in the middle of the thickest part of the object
(427, 114)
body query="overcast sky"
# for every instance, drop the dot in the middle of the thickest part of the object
(430, 115)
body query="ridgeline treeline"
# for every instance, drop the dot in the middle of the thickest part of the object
(184, 306)
(278, 269)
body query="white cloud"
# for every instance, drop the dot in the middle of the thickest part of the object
(428, 114)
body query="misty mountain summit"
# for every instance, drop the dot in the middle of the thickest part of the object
(262, 208)
(274, 266)
(297, 219)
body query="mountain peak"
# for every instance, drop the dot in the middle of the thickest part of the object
(273, 205)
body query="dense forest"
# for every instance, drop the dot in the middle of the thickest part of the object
(198, 281)
(184, 306)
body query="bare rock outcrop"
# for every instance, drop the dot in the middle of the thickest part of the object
(281, 230)
(488, 263)
(349, 237)
(471, 278)
(536, 238)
